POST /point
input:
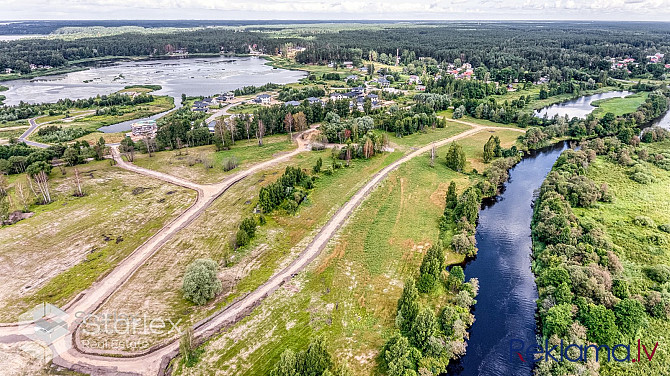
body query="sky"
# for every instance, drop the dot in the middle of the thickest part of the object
(627, 10)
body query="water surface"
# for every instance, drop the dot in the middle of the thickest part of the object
(193, 77)
(505, 306)
(579, 107)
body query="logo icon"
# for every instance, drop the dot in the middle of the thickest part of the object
(44, 324)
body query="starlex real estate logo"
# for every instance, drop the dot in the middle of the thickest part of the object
(518, 352)
(44, 324)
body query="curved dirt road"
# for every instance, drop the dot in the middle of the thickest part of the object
(154, 362)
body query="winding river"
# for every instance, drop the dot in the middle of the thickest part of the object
(505, 306)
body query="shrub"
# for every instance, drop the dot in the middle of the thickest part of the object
(248, 225)
(643, 221)
(201, 282)
(658, 273)
(665, 227)
(241, 238)
(229, 163)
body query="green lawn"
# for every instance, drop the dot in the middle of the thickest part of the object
(619, 106)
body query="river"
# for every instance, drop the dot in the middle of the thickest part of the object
(193, 77)
(579, 107)
(505, 306)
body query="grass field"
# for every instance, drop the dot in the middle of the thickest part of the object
(69, 243)
(619, 106)
(209, 236)
(349, 294)
(247, 153)
(636, 246)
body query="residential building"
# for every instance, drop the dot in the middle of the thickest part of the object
(263, 99)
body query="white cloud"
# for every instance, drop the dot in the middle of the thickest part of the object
(335, 9)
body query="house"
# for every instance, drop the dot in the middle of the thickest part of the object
(348, 64)
(353, 77)
(656, 58)
(292, 103)
(145, 128)
(313, 100)
(383, 82)
(199, 105)
(667, 66)
(420, 87)
(8, 70)
(201, 109)
(373, 97)
(210, 101)
(221, 98)
(414, 80)
(336, 96)
(358, 90)
(363, 70)
(263, 99)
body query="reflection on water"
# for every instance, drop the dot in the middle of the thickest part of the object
(579, 107)
(505, 306)
(193, 77)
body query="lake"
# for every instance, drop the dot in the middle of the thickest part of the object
(579, 107)
(193, 77)
(5, 38)
(505, 306)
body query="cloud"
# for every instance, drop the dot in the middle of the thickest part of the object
(335, 9)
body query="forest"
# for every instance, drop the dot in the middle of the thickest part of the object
(508, 50)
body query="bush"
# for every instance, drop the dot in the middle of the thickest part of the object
(643, 221)
(201, 283)
(248, 225)
(241, 238)
(229, 163)
(665, 227)
(658, 273)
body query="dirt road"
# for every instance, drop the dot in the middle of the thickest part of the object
(154, 362)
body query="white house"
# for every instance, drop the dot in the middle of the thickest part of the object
(263, 99)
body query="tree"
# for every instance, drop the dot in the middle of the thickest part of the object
(248, 225)
(600, 324)
(557, 321)
(316, 358)
(490, 149)
(456, 157)
(398, 356)
(432, 155)
(201, 283)
(451, 198)
(287, 365)
(408, 307)
(317, 167)
(431, 269)
(300, 121)
(630, 316)
(39, 172)
(424, 327)
(71, 156)
(4, 199)
(288, 124)
(260, 132)
(127, 149)
(77, 181)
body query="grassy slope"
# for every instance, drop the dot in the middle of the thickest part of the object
(62, 249)
(634, 246)
(350, 293)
